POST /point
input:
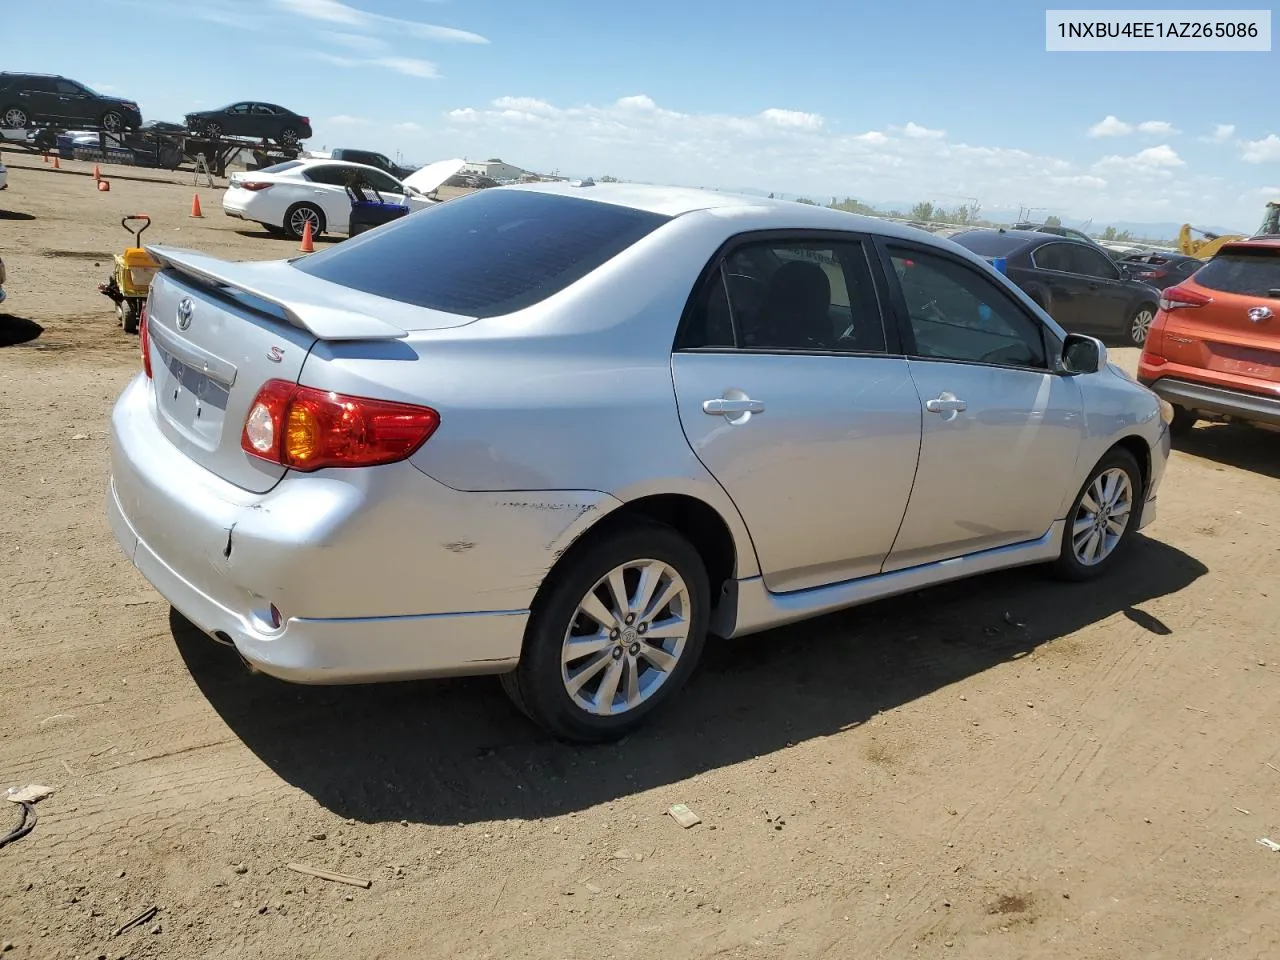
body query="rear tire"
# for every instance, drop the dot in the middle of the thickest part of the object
(128, 316)
(15, 118)
(112, 122)
(590, 681)
(288, 137)
(1140, 324)
(296, 217)
(1102, 518)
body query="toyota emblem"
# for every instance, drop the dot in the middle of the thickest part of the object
(185, 307)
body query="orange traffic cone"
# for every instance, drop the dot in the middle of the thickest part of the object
(308, 245)
(104, 185)
(195, 206)
(97, 174)
(56, 164)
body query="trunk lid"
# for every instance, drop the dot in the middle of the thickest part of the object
(218, 331)
(1237, 333)
(433, 175)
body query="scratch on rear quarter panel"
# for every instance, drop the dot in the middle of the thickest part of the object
(458, 546)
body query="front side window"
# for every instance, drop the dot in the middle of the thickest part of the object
(1093, 264)
(1054, 256)
(956, 313)
(790, 296)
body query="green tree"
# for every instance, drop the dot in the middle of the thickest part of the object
(812, 203)
(1052, 220)
(922, 211)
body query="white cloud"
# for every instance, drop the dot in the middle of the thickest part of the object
(408, 126)
(107, 88)
(1110, 126)
(332, 11)
(917, 132)
(1159, 128)
(1266, 150)
(346, 120)
(636, 138)
(1222, 133)
(408, 66)
(355, 41)
(1163, 157)
(793, 118)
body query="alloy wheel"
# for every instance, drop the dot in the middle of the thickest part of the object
(1141, 326)
(626, 637)
(15, 118)
(299, 219)
(1103, 516)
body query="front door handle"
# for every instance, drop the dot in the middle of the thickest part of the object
(723, 407)
(947, 403)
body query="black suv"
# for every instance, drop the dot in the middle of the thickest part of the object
(43, 100)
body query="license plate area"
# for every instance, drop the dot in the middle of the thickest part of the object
(192, 401)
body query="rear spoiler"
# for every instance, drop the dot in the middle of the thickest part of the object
(324, 321)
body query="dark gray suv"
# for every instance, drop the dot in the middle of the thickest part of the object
(44, 100)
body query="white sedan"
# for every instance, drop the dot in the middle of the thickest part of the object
(288, 196)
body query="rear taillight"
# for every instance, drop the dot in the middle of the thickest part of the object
(144, 341)
(254, 185)
(308, 429)
(1179, 298)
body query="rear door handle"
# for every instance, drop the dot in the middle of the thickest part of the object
(946, 404)
(721, 407)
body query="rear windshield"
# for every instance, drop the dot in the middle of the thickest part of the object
(486, 254)
(1253, 273)
(989, 244)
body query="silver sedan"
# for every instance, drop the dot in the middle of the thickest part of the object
(561, 432)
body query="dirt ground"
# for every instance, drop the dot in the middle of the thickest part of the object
(1004, 768)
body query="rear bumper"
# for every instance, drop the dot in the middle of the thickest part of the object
(1217, 400)
(378, 574)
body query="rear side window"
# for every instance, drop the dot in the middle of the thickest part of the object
(1251, 273)
(486, 254)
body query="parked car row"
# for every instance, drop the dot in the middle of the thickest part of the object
(30, 100)
(1074, 281)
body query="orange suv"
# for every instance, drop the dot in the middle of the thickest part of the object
(1213, 351)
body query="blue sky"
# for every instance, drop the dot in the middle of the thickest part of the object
(928, 100)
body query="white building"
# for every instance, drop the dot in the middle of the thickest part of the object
(494, 169)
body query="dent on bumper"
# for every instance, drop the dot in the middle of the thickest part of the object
(378, 574)
(336, 650)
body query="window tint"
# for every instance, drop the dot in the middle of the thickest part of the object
(68, 88)
(956, 313)
(238, 108)
(1054, 256)
(1253, 273)
(485, 254)
(989, 243)
(1092, 263)
(791, 296)
(331, 174)
(263, 110)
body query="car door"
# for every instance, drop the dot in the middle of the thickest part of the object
(798, 404)
(1068, 290)
(391, 189)
(326, 187)
(1109, 298)
(38, 96)
(75, 104)
(238, 120)
(1002, 430)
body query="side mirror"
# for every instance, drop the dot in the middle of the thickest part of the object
(1081, 354)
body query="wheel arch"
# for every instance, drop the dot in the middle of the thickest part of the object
(694, 518)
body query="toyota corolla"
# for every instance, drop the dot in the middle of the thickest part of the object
(562, 432)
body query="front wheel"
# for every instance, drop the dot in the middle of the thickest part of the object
(1140, 324)
(1102, 518)
(616, 633)
(112, 122)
